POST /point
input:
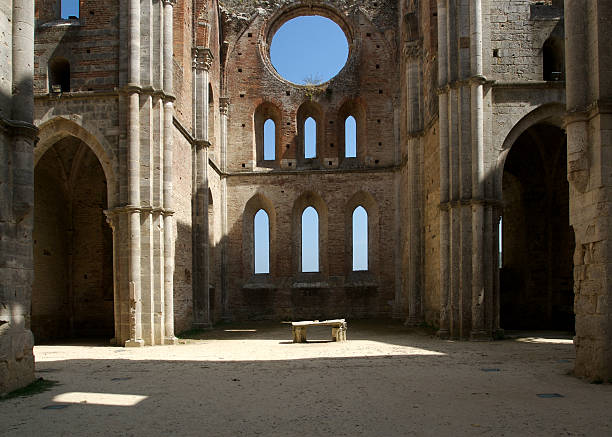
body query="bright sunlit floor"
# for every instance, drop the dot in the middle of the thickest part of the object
(250, 379)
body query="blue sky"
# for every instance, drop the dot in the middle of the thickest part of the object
(70, 7)
(311, 47)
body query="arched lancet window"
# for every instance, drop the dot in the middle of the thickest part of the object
(269, 140)
(261, 232)
(360, 239)
(310, 240)
(310, 138)
(59, 75)
(350, 137)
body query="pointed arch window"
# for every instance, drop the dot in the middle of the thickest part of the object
(310, 240)
(269, 140)
(360, 239)
(261, 235)
(350, 137)
(310, 138)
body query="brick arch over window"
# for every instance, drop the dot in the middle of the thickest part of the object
(310, 198)
(306, 110)
(254, 204)
(51, 131)
(267, 111)
(366, 200)
(357, 109)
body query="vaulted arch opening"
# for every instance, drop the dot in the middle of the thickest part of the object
(73, 293)
(536, 240)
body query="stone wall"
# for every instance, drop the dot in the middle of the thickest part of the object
(183, 270)
(367, 85)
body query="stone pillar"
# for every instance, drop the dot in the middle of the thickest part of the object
(143, 225)
(202, 61)
(168, 176)
(133, 176)
(443, 104)
(589, 154)
(414, 132)
(224, 110)
(467, 289)
(17, 137)
(478, 331)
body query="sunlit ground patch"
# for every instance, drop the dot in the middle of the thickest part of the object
(111, 399)
(244, 349)
(542, 340)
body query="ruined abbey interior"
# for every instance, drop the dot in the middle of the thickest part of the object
(132, 169)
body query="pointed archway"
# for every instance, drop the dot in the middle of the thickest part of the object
(73, 292)
(537, 242)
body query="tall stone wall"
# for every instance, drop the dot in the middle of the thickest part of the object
(367, 87)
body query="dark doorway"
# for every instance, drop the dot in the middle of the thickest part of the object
(72, 295)
(536, 282)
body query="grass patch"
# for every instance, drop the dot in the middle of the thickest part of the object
(38, 386)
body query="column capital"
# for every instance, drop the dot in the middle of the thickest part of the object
(224, 103)
(169, 3)
(412, 49)
(18, 128)
(202, 58)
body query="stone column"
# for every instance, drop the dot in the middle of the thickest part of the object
(201, 301)
(168, 177)
(414, 131)
(443, 103)
(224, 111)
(467, 289)
(17, 136)
(589, 157)
(133, 176)
(478, 188)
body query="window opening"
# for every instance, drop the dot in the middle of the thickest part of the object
(59, 75)
(553, 59)
(309, 50)
(350, 137)
(261, 224)
(500, 247)
(310, 138)
(360, 239)
(69, 9)
(269, 140)
(310, 240)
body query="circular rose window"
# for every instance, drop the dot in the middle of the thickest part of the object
(309, 50)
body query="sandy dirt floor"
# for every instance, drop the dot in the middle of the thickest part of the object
(250, 379)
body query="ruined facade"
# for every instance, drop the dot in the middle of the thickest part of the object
(133, 215)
